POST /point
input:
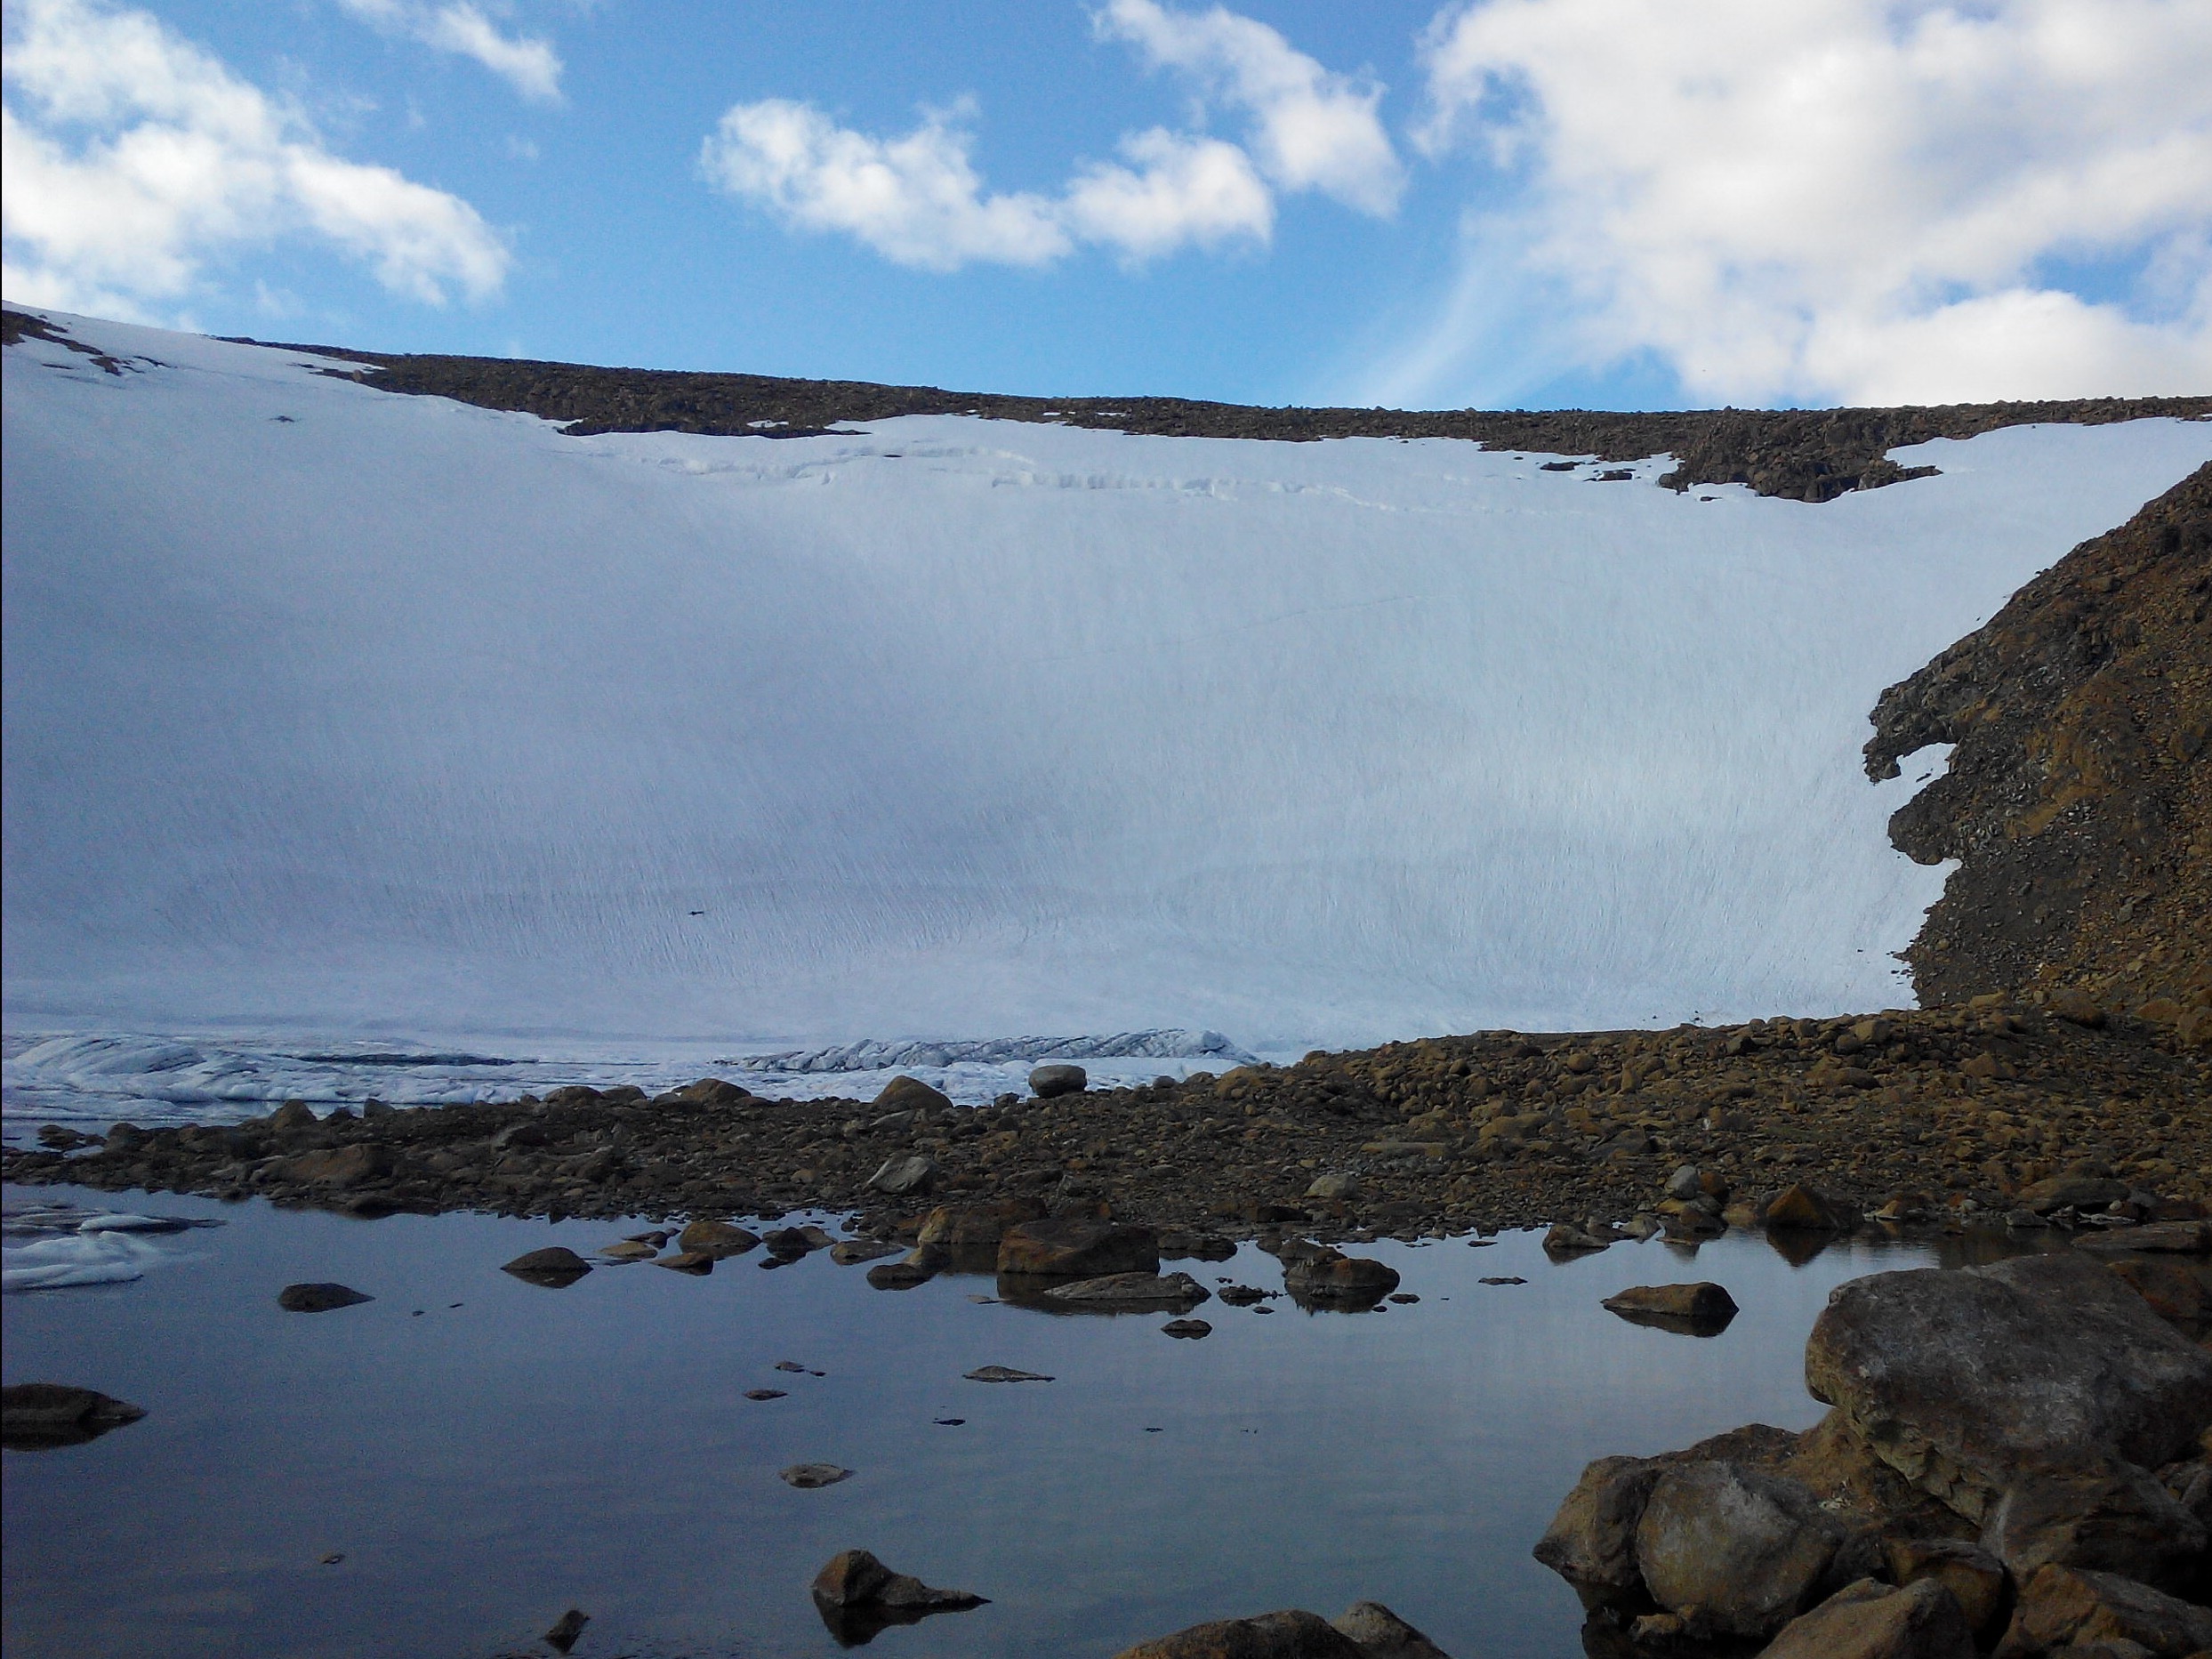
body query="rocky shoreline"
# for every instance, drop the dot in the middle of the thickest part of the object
(1992, 1111)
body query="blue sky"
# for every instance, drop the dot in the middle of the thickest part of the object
(1514, 202)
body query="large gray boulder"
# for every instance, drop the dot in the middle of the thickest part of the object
(1969, 1382)
(1873, 1620)
(1738, 1552)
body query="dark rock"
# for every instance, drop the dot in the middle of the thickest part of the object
(290, 1115)
(1130, 1292)
(1564, 1239)
(1868, 1620)
(2117, 1521)
(1382, 1634)
(767, 1394)
(2178, 1293)
(37, 1416)
(1049, 1081)
(2177, 1238)
(1069, 1247)
(906, 1094)
(562, 1636)
(1967, 1382)
(905, 1175)
(1292, 1633)
(902, 1275)
(1591, 1540)
(716, 1238)
(971, 1226)
(1330, 1276)
(858, 1596)
(698, 1263)
(2070, 1192)
(1742, 1550)
(318, 1298)
(1190, 1330)
(339, 1167)
(2065, 1611)
(1701, 1310)
(1804, 1210)
(1005, 1373)
(711, 1092)
(556, 1266)
(1975, 1577)
(1176, 1244)
(852, 1252)
(810, 1476)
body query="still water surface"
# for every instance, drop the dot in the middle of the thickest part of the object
(509, 1451)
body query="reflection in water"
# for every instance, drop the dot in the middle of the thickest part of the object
(483, 1455)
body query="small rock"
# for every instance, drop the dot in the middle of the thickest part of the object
(1048, 1081)
(715, 1238)
(1005, 1373)
(2078, 1006)
(567, 1629)
(1975, 1577)
(1566, 1240)
(556, 1266)
(695, 1262)
(1070, 1247)
(1337, 1186)
(901, 1275)
(37, 1416)
(1802, 1210)
(1332, 1276)
(764, 1394)
(318, 1298)
(2077, 1192)
(809, 1476)
(1701, 1310)
(905, 1175)
(905, 1094)
(2170, 1238)
(852, 1252)
(857, 1596)
(629, 1250)
(975, 1226)
(1191, 1330)
(1504, 1278)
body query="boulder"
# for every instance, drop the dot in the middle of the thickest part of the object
(1567, 1239)
(1742, 1552)
(339, 1167)
(2179, 1293)
(629, 1250)
(1131, 1293)
(1701, 1310)
(1329, 1275)
(710, 1091)
(2166, 1239)
(37, 1416)
(1335, 1186)
(858, 1596)
(903, 1274)
(1975, 1577)
(1804, 1210)
(716, 1238)
(2063, 1610)
(2063, 1192)
(906, 1174)
(811, 1477)
(851, 1253)
(1070, 1247)
(698, 1263)
(1382, 1634)
(1292, 1633)
(1048, 1081)
(319, 1297)
(978, 1225)
(1591, 1540)
(1968, 1381)
(2119, 1520)
(561, 1635)
(905, 1094)
(1189, 1330)
(556, 1266)
(1868, 1620)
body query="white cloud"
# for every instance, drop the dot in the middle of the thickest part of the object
(141, 155)
(918, 200)
(529, 65)
(1184, 189)
(1843, 197)
(1314, 130)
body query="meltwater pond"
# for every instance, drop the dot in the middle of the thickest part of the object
(485, 1453)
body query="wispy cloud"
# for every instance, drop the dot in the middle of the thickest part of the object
(134, 157)
(529, 64)
(1836, 198)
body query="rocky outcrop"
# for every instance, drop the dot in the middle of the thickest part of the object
(1701, 1310)
(1367, 1631)
(2078, 799)
(1970, 1381)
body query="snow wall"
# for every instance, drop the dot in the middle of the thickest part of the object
(336, 714)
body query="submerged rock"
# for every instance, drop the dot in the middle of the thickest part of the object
(38, 1416)
(319, 1297)
(556, 1266)
(1330, 1277)
(716, 1238)
(857, 1596)
(1130, 1292)
(812, 1476)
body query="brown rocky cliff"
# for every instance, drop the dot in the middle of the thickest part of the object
(2079, 798)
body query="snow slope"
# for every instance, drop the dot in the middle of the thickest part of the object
(337, 714)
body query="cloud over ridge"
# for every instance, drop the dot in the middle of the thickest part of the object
(141, 155)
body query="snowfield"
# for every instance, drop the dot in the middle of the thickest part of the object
(342, 718)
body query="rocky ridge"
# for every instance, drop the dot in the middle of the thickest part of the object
(2079, 798)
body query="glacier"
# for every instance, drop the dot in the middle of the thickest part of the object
(358, 742)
